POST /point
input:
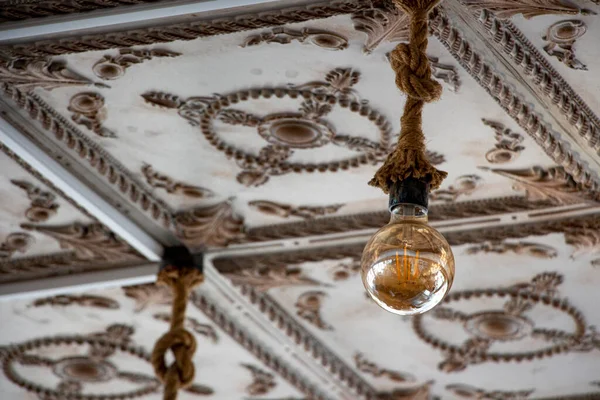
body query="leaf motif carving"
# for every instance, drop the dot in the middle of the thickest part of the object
(148, 294)
(308, 307)
(263, 279)
(215, 225)
(27, 74)
(529, 8)
(286, 210)
(381, 24)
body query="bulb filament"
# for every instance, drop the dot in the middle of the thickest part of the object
(406, 270)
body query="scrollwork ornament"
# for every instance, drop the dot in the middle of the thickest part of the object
(561, 37)
(88, 110)
(43, 204)
(508, 143)
(325, 39)
(15, 242)
(113, 67)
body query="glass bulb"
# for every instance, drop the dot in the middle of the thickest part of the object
(407, 267)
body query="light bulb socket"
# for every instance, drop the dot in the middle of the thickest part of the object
(409, 191)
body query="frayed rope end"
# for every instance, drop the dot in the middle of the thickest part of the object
(407, 163)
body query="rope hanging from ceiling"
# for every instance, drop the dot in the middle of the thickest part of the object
(413, 77)
(180, 374)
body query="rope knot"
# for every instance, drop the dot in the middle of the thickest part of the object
(182, 344)
(413, 73)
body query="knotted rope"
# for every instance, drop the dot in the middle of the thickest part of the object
(180, 374)
(413, 77)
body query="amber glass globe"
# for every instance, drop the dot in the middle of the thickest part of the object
(407, 267)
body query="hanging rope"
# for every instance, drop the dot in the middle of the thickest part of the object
(413, 77)
(181, 342)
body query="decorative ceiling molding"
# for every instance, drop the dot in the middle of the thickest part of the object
(561, 37)
(508, 143)
(76, 142)
(286, 132)
(39, 266)
(15, 242)
(186, 31)
(84, 300)
(509, 324)
(346, 223)
(26, 74)
(535, 69)
(368, 367)
(551, 184)
(529, 8)
(308, 307)
(525, 248)
(20, 10)
(112, 67)
(148, 294)
(463, 185)
(287, 210)
(88, 110)
(263, 278)
(43, 205)
(93, 242)
(215, 225)
(471, 392)
(254, 346)
(325, 39)
(262, 381)
(159, 180)
(382, 24)
(306, 341)
(446, 73)
(43, 180)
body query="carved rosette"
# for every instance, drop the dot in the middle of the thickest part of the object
(463, 185)
(88, 110)
(43, 205)
(508, 144)
(286, 132)
(15, 242)
(325, 39)
(561, 37)
(513, 323)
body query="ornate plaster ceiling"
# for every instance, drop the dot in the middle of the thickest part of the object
(250, 133)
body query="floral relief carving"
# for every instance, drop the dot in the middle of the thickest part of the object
(35, 266)
(508, 143)
(201, 329)
(308, 307)
(43, 205)
(344, 271)
(85, 300)
(92, 242)
(27, 74)
(463, 185)
(366, 366)
(510, 324)
(528, 8)
(214, 225)
(263, 278)
(286, 132)
(88, 110)
(262, 381)
(585, 238)
(471, 392)
(148, 294)
(446, 73)
(325, 39)
(287, 210)
(112, 67)
(522, 248)
(159, 180)
(15, 242)
(561, 37)
(83, 373)
(551, 184)
(381, 24)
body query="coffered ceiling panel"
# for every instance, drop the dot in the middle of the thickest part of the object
(519, 309)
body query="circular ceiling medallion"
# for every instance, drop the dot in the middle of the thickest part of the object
(86, 102)
(497, 325)
(84, 369)
(293, 130)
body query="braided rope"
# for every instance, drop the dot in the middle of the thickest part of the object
(413, 77)
(180, 374)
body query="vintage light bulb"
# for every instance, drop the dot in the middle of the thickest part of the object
(407, 267)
